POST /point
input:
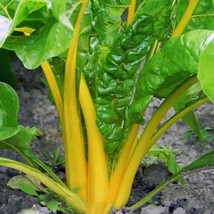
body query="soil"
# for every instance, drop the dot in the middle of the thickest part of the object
(195, 197)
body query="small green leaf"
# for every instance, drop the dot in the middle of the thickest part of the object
(27, 188)
(23, 183)
(167, 156)
(206, 70)
(52, 205)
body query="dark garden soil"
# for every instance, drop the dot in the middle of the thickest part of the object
(195, 197)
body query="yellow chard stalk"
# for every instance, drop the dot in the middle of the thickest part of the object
(76, 172)
(97, 161)
(120, 169)
(185, 18)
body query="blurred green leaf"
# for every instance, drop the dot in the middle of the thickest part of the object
(6, 74)
(19, 141)
(23, 183)
(206, 70)
(7, 132)
(8, 107)
(53, 205)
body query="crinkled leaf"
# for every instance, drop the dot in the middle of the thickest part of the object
(22, 9)
(160, 12)
(206, 70)
(9, 106)
(176, 61)
(118, 66)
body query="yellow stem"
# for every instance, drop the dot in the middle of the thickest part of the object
(54, 88)
(117, 176)
(134, 144)
(131, 12)
(71, 198)
(26, 30)
(143, 145)
(97, 161)
(76, 171)
(185, 18)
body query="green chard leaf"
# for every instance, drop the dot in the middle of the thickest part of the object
(46, 42)
(12, 13)
(175, 62)
(118, 63)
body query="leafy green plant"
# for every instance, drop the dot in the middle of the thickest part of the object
(104, 62)
(167, 155)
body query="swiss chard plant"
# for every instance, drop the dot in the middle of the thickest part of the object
(104, 62)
